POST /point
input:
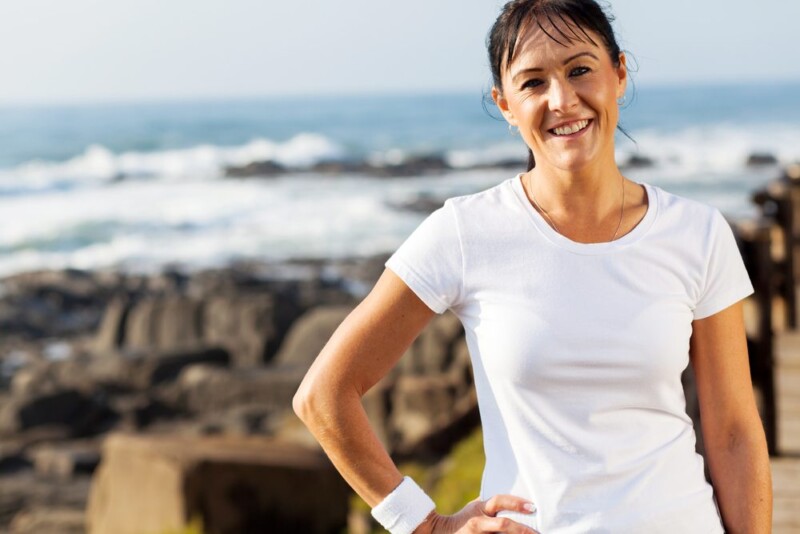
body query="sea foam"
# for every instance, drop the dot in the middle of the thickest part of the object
(98, 166)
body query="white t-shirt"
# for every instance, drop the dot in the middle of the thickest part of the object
(577, 351)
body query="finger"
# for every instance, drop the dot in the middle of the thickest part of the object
(507, 502)
(483, 524)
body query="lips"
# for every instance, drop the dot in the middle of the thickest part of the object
(570, 128)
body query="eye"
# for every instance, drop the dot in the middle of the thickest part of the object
(579, 71)
(531, 83)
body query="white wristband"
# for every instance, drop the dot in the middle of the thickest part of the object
(404, 509)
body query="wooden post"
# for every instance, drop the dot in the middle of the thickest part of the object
(755, 241)
(780, 192)
(792, 178)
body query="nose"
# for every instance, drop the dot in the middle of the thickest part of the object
(561, 95)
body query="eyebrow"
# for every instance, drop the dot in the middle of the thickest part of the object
(539, 69)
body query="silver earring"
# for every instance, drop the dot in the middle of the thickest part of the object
(621, 101)
(513, 130)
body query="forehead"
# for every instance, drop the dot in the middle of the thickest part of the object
(542, 40)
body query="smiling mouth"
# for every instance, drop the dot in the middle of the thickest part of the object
(570, 129)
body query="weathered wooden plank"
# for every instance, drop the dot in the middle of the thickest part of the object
(788, 436)
(787, 350)
(786, 494)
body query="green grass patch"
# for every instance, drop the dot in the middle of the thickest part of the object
(452, 482)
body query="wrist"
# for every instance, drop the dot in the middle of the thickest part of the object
(428, 526)
(405, 509)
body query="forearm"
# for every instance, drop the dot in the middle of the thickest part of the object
(742, 481)
(338, 421)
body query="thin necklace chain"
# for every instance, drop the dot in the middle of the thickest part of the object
(553, 224)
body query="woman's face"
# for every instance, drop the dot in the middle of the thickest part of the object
(563, 98)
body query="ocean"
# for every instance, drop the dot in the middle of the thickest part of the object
(142, 186)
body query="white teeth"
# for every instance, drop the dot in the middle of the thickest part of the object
(571, 129)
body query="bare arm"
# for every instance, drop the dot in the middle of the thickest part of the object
(736, 448)
(360, 352)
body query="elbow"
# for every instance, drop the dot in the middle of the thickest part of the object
(320, 398)
(310, 399)
(301, 402)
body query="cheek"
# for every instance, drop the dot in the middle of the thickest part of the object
(530, 115)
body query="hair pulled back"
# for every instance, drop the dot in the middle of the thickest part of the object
(564, 21)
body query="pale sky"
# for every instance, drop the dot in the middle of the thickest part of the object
(54, 51)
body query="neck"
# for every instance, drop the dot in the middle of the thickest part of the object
(588, 195)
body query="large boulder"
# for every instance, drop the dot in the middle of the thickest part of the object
(42, 520)
(142, 324)
(205, 389)
(125, 371)
(434, 349)
(52, 304)
(308, 336)
(431, 412)
(152, 368)
(68, 408)
(233, 484)
(181, 323)
(65, 459)
(111, 331)
(243, 324)
(24, 494)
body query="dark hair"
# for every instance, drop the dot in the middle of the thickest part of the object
(570, 20)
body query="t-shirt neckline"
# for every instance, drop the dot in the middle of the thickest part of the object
(588, 248)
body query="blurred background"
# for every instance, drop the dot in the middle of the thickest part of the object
(194, 194)
(121, 121)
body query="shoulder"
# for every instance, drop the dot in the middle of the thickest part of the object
(679, 212)
(499, 195)
(672, 202)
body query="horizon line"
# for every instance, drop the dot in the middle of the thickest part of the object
(13, 103)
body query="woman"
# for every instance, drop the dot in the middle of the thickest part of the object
(583, 296)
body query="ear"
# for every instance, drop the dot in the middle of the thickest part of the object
(502, 105)
(622, 75)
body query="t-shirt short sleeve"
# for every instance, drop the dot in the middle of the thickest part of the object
(430, 260)
(726, 279)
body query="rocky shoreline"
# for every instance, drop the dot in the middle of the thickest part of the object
(427, 164)
(87, 355)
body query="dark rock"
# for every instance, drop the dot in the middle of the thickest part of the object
(36, 378)
(432, 351)
(111, 331)
(235, 485)
(203, 389)
(49, 520)
(513, 163)
(637, 161)
(243, 324)
(760, 159)
(414, 166)
(86, 374)
(429, 413)
(256, 169)
(25, 490)
(51, 304)
(142, 324)
(420, 204)
(109, 371)
(243, 420)
(181, 323)
(12, 456)
(308, 336)
(141, 410)
(342, 167)
(67, 408)
(152, 368)
(65, 460)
